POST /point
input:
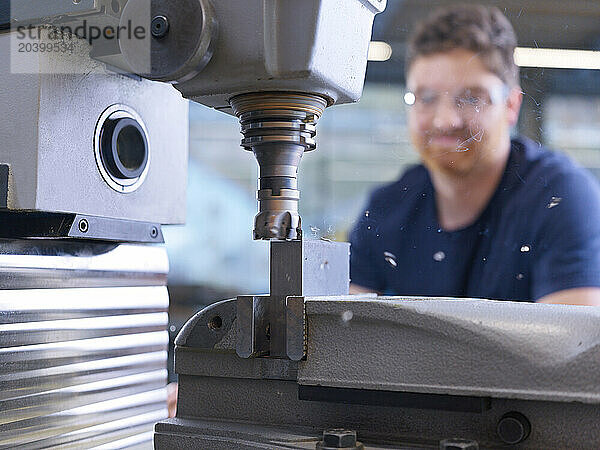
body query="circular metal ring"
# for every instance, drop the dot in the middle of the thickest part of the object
(306, 142)
(280, 125)
(282, 103)
(118, 175)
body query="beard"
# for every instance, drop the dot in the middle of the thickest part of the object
(454, 152)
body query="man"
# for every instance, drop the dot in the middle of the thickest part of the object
(483, 216)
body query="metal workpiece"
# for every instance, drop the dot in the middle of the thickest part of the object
(272, 325)
(254, 324)
(275, 325)
(242, 326)
(278, 127)
(83, 343)
(309, 267)
(298, 269)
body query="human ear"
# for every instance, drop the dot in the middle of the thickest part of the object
(513, 105)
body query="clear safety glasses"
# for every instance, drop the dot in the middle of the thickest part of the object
(469, 101)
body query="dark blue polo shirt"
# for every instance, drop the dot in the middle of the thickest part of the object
(540, 233)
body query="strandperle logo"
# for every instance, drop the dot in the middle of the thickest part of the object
(85, 31)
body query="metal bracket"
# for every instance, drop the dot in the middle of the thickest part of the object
(33, 224)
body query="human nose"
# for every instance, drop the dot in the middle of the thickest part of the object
(447, 116)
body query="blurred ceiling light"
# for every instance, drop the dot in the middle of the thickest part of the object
(557, 58)
(379, 51)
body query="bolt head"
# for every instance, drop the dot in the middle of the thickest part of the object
(339, 438)
(159, 27)
(84, 226)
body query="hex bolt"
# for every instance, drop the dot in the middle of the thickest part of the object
(84, 226)
(458, 444)
(159, 27)
(513, 428)
(339, 438)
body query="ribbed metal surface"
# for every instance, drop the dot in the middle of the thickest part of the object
(82, 367)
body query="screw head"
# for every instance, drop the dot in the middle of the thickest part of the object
(84, 226)
(159, 27)
(339, 438)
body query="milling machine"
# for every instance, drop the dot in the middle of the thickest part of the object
(307, 366)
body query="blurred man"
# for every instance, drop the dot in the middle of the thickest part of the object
(483, 216)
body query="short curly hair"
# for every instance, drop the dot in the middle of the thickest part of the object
(482, 30)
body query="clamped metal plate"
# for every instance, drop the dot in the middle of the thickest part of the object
(275, 325)
(253, 323)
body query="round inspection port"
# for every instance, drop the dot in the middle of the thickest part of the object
(129, 148)
(122, 150)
